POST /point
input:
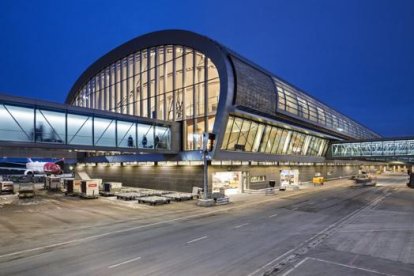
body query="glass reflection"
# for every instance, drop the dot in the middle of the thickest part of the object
(297, 103)
(250, 136)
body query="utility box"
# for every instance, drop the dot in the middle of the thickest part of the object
(6, 187)
(110, 188)
(26, 190)
(73, 186)
(90, 188)
(53, 183)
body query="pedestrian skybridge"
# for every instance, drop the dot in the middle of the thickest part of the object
(378, 149)
(32, 123)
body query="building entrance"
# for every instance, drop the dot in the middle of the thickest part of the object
(288, 178)
(230, 182)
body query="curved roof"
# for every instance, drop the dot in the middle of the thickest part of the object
(216, 52)
(242, 82)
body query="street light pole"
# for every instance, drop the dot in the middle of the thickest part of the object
(205, 165)
(205, 178)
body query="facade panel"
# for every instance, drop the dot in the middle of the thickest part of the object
(254, 89)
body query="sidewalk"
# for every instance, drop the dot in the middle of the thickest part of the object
(303, 188)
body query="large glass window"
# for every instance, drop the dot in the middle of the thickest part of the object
(380, 148)
(250, 136)
(298, 103)
(168, 82)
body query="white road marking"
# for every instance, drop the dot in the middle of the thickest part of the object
(126, 262)
(241, 225)
(152, 224)
(330, 227)
(272, 216)
(295, 266)
(129, 229)
(294, 209)
(378, 230)
(198, 239)
(335, 263)
(271, 262)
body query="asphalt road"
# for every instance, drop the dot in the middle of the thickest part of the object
(337, 230)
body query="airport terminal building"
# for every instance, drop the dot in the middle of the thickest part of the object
(263, 125)
(153, 97)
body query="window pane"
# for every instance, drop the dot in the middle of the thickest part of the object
(251, 136)
(126, 134)
(145, 136)
(258, 138)
(198, 133)
(265, 139)
(282, 147)
(235, 133)
(104, 132)
(227, 133)
(276, 141)
(241, 143)
(79, 130)
(271, 140)
(17, 123)
(162, 138)
(281, 98)
(50, 126)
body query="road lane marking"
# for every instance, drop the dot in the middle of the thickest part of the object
(271, 262)
(295, 266)
(348, 266)
(126, 262)
(198, 239)
(325, 231)
(272, 216)
(129, 229)
(152, 224)
(241, 225)
(294, 209)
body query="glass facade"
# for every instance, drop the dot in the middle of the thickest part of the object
(295, 102)
(250, 136)
(378, 148)
(168, 82)
(36, 125)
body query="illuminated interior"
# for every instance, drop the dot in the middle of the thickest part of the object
(250, 136)
(168, 82)
(295, 102)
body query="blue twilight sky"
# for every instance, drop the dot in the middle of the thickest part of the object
(357, 56)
